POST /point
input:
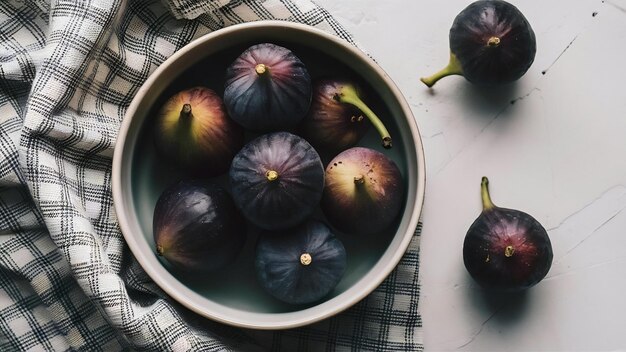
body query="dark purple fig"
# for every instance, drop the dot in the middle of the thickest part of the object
(506, 249)
(197, 227)
(277, 180)
(338, 117)
(267, 88)
(364, 191)
(300, 265)
(193, 130)
(491, 43)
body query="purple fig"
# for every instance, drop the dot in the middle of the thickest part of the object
(193, 130)
(197, 227)
(491, 43)
(277, 180)
(506, 249)
(364, 191)
(338, 117)
(300, 265)
(267, 88)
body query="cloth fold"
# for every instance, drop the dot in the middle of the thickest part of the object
(68, 71)
(191, 9)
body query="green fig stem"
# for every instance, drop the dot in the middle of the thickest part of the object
(453, 68)
(508, 251)
(484, 192)
(493, 41)
(359, 180)
(260, 69)
(271, 175)
(185, 113)
(348, 95)
(306, 259)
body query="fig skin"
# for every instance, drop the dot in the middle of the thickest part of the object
(491, 43)
(300, 265)
(338, 117)
(197, 228)
(277, 180)
(506, 249)
(364, 191)
(267, 89)
(193, 130)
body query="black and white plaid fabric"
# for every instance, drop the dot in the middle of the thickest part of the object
(68, 71)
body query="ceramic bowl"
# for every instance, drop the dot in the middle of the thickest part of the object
(233, 296)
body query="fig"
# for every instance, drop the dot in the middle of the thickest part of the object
(197, 227)
(506, 249)
(267, 88)
(491, 43)
(300, 265)
(338, 117)
(364, 191)
(277, 180)
(193, 129)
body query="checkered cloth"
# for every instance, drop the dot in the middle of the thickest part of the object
(68, 71)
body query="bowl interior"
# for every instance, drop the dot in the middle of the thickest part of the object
(234, 291)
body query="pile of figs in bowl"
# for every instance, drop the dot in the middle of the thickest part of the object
(268, 175)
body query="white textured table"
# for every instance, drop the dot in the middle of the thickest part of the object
(558, 153)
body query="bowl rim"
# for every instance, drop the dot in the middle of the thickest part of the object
(316, 312)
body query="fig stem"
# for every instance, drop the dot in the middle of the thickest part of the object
(271, 175)
(306, 259)
(508, 251)
(348, 95)
(359, 180)
(484, 193)
(260, 69)
(185, 112)
(159, 249)
(493, 41)
(453, 68)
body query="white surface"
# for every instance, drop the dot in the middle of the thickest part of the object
(558, 153)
